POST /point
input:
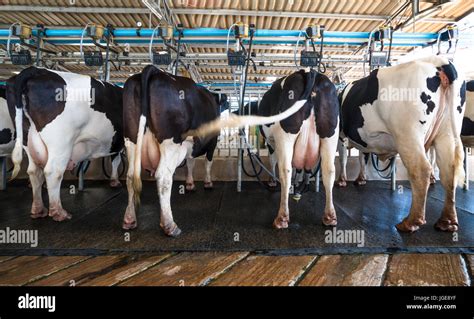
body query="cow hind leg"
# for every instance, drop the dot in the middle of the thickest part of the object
(342, 180)
(446, 161)
(432, 156)
(36, 180)
(284, 151)
(114, 178)
(130, 218)
(54, 172)
(419, 170)
(190, 162)
(208, 185)
(172, 155)
(328, 170)
(207, 179)
(273, 162)
(361, 179)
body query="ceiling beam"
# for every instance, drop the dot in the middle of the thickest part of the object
(73, 9)
(220, 12)
(294, 14)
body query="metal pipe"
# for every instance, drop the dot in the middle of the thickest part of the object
(466, 169)
(415, 9)
(3, 173)
(222, 41)
(215, 32)
(393, 176)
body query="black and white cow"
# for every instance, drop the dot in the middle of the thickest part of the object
(407, 109)
(62, 119)
(7, 131)
(301, 139)
(467, 132)
(303, 112)
(467, 137)
(169, 119)
(159, 108)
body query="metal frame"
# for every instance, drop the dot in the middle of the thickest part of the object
(227, 12)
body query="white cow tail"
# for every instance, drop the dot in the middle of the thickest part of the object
(137, 163)
(147, 72)
(20, 91)
(459, 173)
(17, 154)
(215, 126)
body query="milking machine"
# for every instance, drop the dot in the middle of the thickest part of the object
(163, 58)
(309, 56)
(379, 57)
(239, 60)
(387, 172)
(20, 56)
(24, 33)
(450, 34)
(97, 33)
(165, 32)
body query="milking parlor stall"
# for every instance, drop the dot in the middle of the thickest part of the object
(223, 143)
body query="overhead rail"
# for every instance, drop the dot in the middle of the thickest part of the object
(142, 36)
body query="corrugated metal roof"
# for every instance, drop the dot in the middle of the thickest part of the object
(206, 13)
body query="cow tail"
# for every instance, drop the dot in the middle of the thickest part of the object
(459, 173)
(215, 126)
(145, 106)
(309, 84)
(20, 92)
(451, 73)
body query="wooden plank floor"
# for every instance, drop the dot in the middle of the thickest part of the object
(239, 268)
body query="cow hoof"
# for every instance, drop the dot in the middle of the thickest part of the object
(409, 227)
(360, 182)
(297, 197)
(172, 231)
(329, 220)
(281, 222)
(208, 185)
(115, 183)
(341, 183)
(447, 225)
(129, 224)
(39, 213)
(190, 187)
(59, 215)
